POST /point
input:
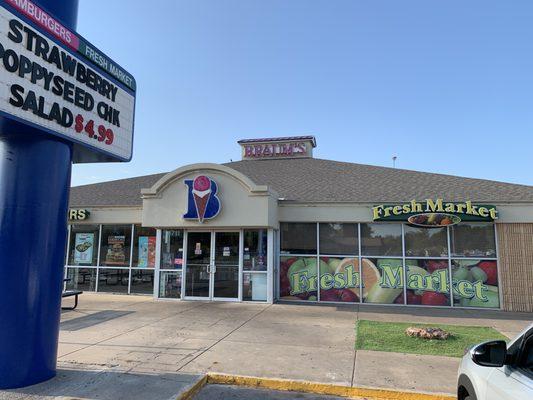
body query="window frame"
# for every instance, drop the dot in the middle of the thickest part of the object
(527, 339)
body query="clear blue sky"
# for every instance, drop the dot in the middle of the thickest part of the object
(447, 86)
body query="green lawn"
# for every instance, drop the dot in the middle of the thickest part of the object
(390, 336)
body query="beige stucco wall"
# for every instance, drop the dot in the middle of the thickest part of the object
(286, 211)
(515, 243)
(112, 215)
(243, 204)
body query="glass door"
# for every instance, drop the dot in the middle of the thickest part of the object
(198, 267)
(212, 268)
(226, 265)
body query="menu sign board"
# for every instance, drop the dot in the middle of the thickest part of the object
(116, 250)
(147, 251)
(83, 248)
(53, 80)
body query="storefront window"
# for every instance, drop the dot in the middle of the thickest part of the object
(381, 276)
(339, 279)
(473, 240)
(255, 250)
(381, 239)
(116, 245)
(83, 246)
(338, 239)
(298, 278)
(254, 287)
(113, 280)
(298, 238)
(170, 285)
(475, 283)
(171, 249)
(428, 282)
(426, 242)
(144, 245)
(81, 279)
(142, 281)
(382, 280)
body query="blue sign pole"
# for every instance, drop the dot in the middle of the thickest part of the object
(34, 188)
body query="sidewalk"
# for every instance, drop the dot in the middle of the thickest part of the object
(131, 342)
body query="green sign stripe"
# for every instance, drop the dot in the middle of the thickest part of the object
(105, 63)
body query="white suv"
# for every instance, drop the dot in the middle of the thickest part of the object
(491, 371)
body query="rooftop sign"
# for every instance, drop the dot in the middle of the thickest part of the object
(54, 80)
(283, 147)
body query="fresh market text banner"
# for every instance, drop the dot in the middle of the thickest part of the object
(54, 80)
(435, 213)
(426, 282)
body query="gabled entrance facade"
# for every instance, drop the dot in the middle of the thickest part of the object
(224, 251)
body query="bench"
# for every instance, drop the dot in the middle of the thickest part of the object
(69, 293)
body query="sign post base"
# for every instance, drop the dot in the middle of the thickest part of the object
(34, 188)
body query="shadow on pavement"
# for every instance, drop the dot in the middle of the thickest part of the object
(89, 320)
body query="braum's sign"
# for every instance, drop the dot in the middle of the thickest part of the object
(434, 213)
(81, 95)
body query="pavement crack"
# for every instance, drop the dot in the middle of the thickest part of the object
(224, 337)
(132, 330)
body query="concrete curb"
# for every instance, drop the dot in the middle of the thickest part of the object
(308, 387)
(193, 389)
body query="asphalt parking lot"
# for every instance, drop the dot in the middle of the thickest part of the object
(227, 392)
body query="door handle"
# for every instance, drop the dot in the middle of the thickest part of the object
(213, 268)
(208, 269)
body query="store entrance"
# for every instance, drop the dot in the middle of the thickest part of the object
(212, 267)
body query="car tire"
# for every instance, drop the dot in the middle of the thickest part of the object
(465, 389)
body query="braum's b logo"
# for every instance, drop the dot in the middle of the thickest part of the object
(203, 202)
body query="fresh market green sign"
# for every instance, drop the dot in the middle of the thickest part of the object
(435, 212)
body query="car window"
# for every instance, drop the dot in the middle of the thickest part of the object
(525, 361)
(515, 348)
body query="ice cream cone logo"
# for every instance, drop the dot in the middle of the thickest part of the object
(202, 199)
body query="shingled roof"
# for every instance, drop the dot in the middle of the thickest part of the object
(316, 180)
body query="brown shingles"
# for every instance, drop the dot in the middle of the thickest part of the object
(316, 180)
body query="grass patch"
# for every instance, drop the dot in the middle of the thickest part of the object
(391, 337)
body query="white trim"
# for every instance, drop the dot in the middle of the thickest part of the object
(98, 259)
(184, 264)
(68, 244)
(158, 243)
(241, 263)
(270, 266)
(131, 256)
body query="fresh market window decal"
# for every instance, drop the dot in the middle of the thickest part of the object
(434, 213)
(421, 272)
